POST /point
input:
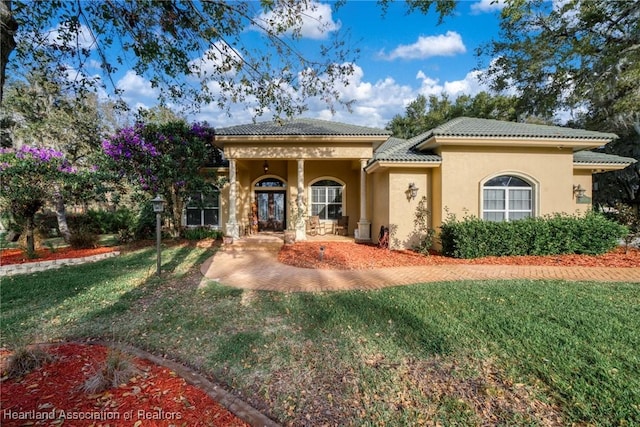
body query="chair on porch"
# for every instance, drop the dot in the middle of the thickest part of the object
(342, 226)
(313, 225)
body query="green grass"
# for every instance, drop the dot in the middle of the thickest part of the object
(465, 353)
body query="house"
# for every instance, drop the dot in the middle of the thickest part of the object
(487, 168)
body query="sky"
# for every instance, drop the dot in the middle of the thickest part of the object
(402, 56)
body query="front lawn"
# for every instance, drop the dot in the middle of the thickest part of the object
(497, 352)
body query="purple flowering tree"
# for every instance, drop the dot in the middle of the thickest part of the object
(165, 159)
(28, 177)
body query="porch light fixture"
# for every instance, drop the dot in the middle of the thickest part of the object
(158, 208)
(265, 166)
(579, 195)
(412, 191)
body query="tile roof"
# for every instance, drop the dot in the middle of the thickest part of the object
(601, 158)
(402, 150)
(301, 127)
(472, 127)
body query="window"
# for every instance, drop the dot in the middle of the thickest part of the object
(326, 199)
(507, 198)
(203, 210)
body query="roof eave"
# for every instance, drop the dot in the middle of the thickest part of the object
(600, 167)
(387, 164)
(498, 141)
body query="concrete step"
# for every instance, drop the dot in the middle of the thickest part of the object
(270, 244)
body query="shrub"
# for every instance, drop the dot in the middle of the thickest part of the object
(25, 359)
(117, 369)
(110, 222)
(549, 235)
(200, 233)
(630, 218)
(83, 238)
(145, 226)
(421, 224)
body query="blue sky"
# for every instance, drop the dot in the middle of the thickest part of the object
(402, 56)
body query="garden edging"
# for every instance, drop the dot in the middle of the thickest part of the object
(34, 267)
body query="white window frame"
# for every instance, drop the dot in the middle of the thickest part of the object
(202, 210)
(340, 185)
(507, 192)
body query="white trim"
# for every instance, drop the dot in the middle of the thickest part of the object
(310, 194)
(535, 192)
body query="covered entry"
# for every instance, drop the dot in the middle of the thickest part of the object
(270, 201)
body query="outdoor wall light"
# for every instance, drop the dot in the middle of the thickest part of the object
(265, 166)
(412, 191)
(579, 195)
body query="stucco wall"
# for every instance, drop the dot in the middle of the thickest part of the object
(379, 196)
(402, 211)
(464, 169)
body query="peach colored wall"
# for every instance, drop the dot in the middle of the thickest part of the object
(402, 212)
(584, 178)
(379, 196)
(465, 168)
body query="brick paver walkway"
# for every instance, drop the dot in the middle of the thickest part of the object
(260, 270)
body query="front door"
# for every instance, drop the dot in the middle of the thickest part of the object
(271, 212)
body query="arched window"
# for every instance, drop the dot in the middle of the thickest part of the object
(326, 199)
(507, 198)
(270, 183)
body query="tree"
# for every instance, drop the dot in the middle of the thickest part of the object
(166, 159)
(27, 176)
(42, 115)
(424, 114)
(578, 55)
(168, 40)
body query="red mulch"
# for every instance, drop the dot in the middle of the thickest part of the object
(352, 256)
(155, 397)
(18, 256)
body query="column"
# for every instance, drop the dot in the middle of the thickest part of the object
(232, 223)
(364, 225)
(301, 206)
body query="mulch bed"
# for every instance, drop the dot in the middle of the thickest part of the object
(352, 256)
(156, 396)
(19, 256)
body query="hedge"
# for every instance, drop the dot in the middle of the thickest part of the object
(549, 235)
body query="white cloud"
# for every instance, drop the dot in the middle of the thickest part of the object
(137, 90)
(487, 6)
(448, 44)
(218, 57)
(469, 85)
(317, 20)
(83, 39)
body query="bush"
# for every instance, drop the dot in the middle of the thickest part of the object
(200, 233)
(83, 238)
(26, 359)
(549, 235)
(117, 369)
(111, 222)
(145, 226)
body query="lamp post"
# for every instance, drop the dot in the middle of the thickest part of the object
(158, 208)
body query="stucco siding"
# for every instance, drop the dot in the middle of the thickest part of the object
(464, 170)
(380, 202)
(402, 210)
